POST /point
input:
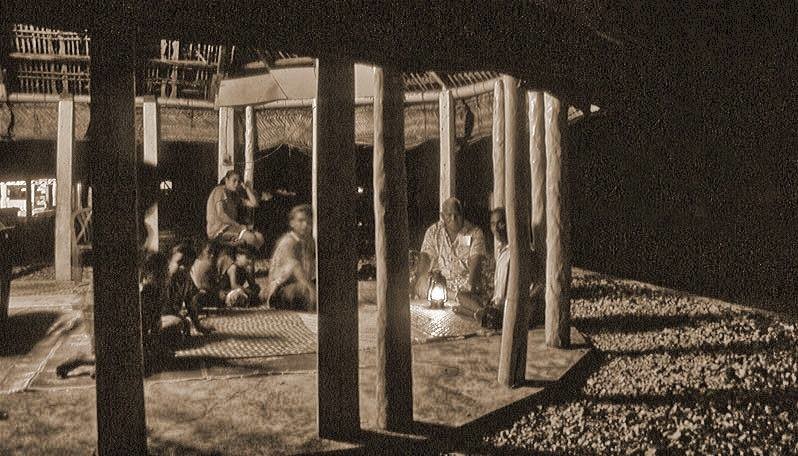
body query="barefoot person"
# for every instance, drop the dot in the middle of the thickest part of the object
(292, 275)
(223, 210)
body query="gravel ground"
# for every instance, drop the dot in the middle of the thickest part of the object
(673, 374)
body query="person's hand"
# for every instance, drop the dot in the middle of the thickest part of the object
(205, 328)
(284, 192)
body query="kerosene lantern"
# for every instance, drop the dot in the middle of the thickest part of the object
(436, 293)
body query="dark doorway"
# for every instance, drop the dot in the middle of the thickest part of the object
(187, 175)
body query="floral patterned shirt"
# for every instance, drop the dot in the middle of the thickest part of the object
(450, 256)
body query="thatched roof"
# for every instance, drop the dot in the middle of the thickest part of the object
(48, 61)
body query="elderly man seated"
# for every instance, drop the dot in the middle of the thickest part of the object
(456, 248)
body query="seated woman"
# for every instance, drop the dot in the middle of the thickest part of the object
(293, 266)
(237, 287)
(222, 212)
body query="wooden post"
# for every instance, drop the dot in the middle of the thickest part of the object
(250, 144)
(121, 422)
(64, 225)
(558, 226)
(334, 200)
(448, 143)
(29, 190)
(227, 141)
(152, 139)
(512, 358)
(537, 163)
(498, 144)
(498, 153)
(394, 357)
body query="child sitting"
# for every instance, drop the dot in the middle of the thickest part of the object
(237, 287)
(205, 276)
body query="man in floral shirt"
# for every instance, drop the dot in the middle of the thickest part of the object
(456, 248)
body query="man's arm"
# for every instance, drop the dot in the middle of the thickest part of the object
(475, 272)
(231, 274)
(475, 259)
(251, 200)
(424, 262)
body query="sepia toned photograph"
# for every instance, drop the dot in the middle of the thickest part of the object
(249, 227)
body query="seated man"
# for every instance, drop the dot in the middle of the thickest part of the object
(471, 305)
(237, 287)
(456, 248)
(292, 273)
(222, 212)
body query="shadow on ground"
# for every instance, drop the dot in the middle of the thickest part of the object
(23, 331)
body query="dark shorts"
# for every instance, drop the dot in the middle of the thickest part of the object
(230, 235)
(289, 295)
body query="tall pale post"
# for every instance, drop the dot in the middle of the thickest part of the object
(394, 358)
(121, 422)
(512, 357)
(250, 144)
(227, 141)
(152, 142)
(498, 144)
(334, 200)
(65, 146)
(537, 163)
(558, 228)
(448, 162)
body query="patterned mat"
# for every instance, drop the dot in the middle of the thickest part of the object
(246, 333)
(430, 324)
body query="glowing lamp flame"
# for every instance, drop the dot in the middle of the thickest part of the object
(436, 293)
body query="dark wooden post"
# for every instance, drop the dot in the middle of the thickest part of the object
(512, 359)
(394, 357)
(537, 163)
(121, 427)
(334, 200)
(558, 227)
(30, 199)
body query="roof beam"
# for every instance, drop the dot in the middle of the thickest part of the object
(438, 79)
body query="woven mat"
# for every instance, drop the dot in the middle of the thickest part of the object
(367, 326)
(247, 333)
(429, 323)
